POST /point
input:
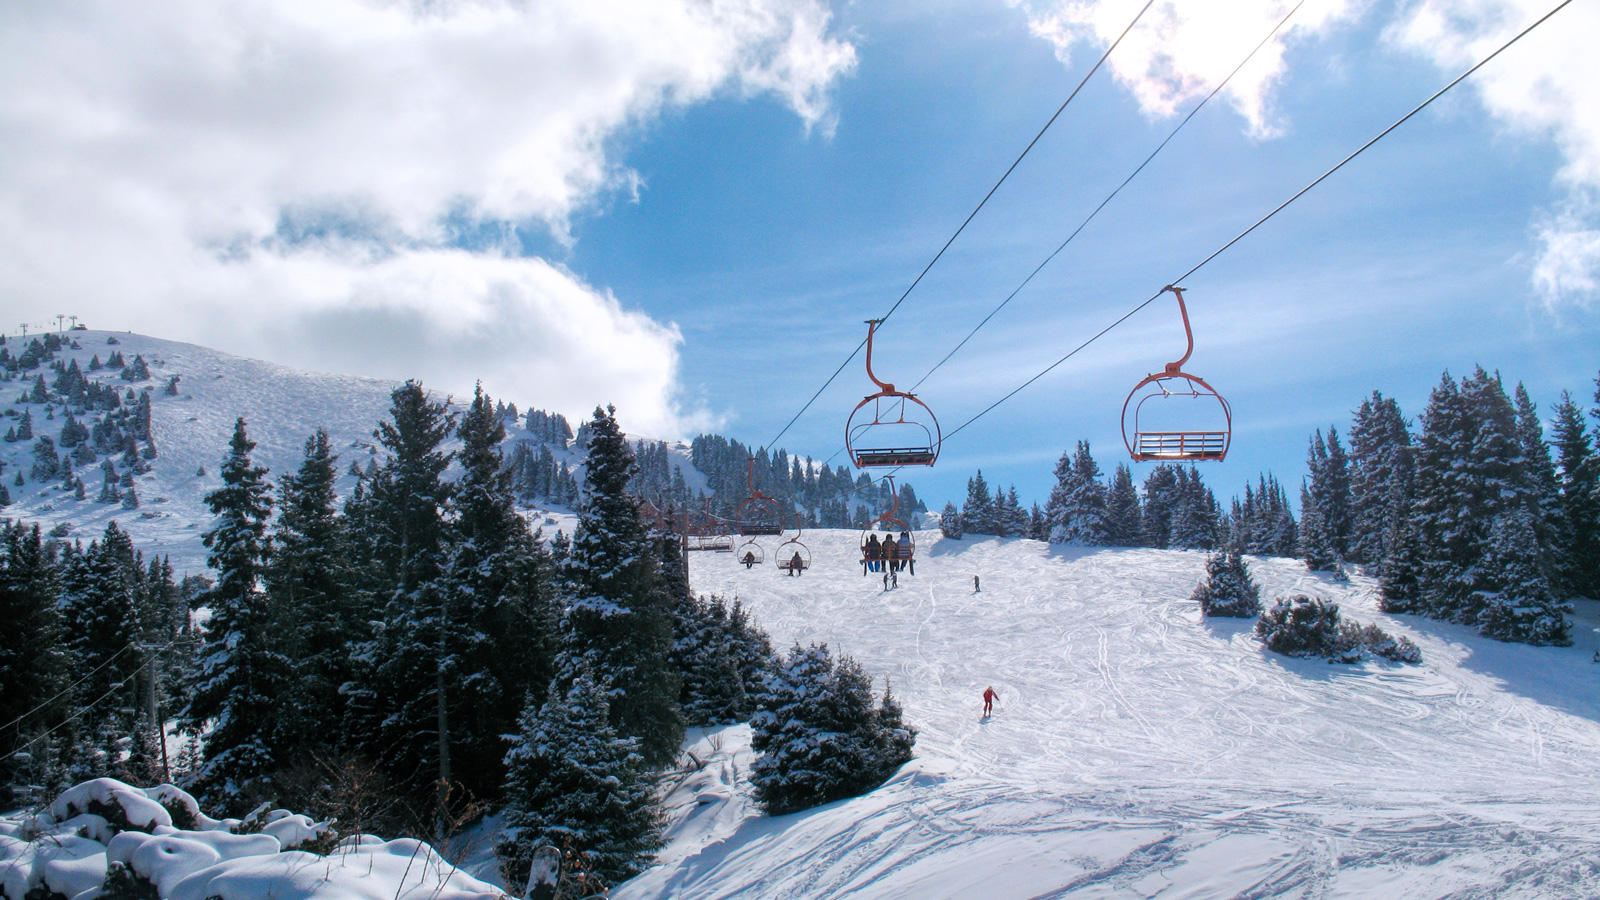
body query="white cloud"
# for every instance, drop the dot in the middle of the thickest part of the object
(1546, 86)
(155, 152)
(1181, 49)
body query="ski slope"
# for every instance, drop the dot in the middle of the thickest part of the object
(1138, 750)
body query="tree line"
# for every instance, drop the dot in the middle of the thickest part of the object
(367, 657)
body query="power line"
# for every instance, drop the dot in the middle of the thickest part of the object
(111, 659)
(1214, 91)
(970, 216)
(81, 711)
(1259, 222)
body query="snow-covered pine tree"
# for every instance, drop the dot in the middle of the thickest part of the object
(1010, 519)
(1160, 502)
(1577, 557)
(407, 677)
(1076, 508)
(950, 522)
(1401, 572)
(1196, 518)
(616, 622)
(241, 678)
(1523, 608)
(977, 513)
(573, 782)
(499, 579)
(1123, 524)
(1380, 477)
(1228, 589)
(1536, 474)
(33, 658)
(1316, 540)
(819, 736)
(315, 609)
(705, 654)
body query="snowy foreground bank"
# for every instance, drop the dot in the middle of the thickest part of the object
(105, 827)
(1140, 751)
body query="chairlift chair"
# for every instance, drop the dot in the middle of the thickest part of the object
(793, 556)
(760, 514)
(890, 427)
(905, 544)
(750, 554)
(1147, 443)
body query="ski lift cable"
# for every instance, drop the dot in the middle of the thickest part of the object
(968, 220)
(1109, 197)
(81, 712)
(64, 691)
(1263, 220)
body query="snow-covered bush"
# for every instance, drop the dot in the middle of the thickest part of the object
(821, 737)
(1300, 626)
(87, 843)
(1312, 627)
(1228, 589)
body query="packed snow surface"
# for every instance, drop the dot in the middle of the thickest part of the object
(1139, 750)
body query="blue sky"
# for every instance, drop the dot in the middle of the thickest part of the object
(689, 210)
(769, 247)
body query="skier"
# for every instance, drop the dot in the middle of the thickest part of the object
(749, 559)
(797, 565)
(894, 579)
(988, 701)
(870, 557)
(891, 552)
(975, 588)
(906, 549)
(886, 581)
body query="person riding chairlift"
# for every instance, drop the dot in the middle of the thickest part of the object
(871, 555)
(796, 565)
(749, 558)
(907, 551)
(891, 553)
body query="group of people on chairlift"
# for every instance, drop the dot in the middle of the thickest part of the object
(889, 555)
(794, 565)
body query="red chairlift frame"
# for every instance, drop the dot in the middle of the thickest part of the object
(760, 514)
(885, 403)
(788, 550)
(1176, 446)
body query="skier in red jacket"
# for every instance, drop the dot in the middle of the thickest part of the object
(988, 700)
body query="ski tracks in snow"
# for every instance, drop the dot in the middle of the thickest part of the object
(1139, 750)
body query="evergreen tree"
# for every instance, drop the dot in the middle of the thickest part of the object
(819, 736)
(977, 514)
(1228, 589)
(573, 782)
(706, 653)
(407, 676)
(34, 658)
(1316, 538)
(499, 577)
(1522, 607)
(1578, 553)
(314, 609)
(1077, 506)
(950, 522)
(1124, 526)
(241, 679)
(1160, 501)
(616, 622)
(1380, 477)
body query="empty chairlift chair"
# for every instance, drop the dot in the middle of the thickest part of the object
(890, 427)
(759, 514)
(1158, 422)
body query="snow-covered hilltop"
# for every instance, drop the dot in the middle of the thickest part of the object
(1139, 750)
(190, 429)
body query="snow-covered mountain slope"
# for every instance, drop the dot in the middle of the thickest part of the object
(281, 406)
(1138, 750)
